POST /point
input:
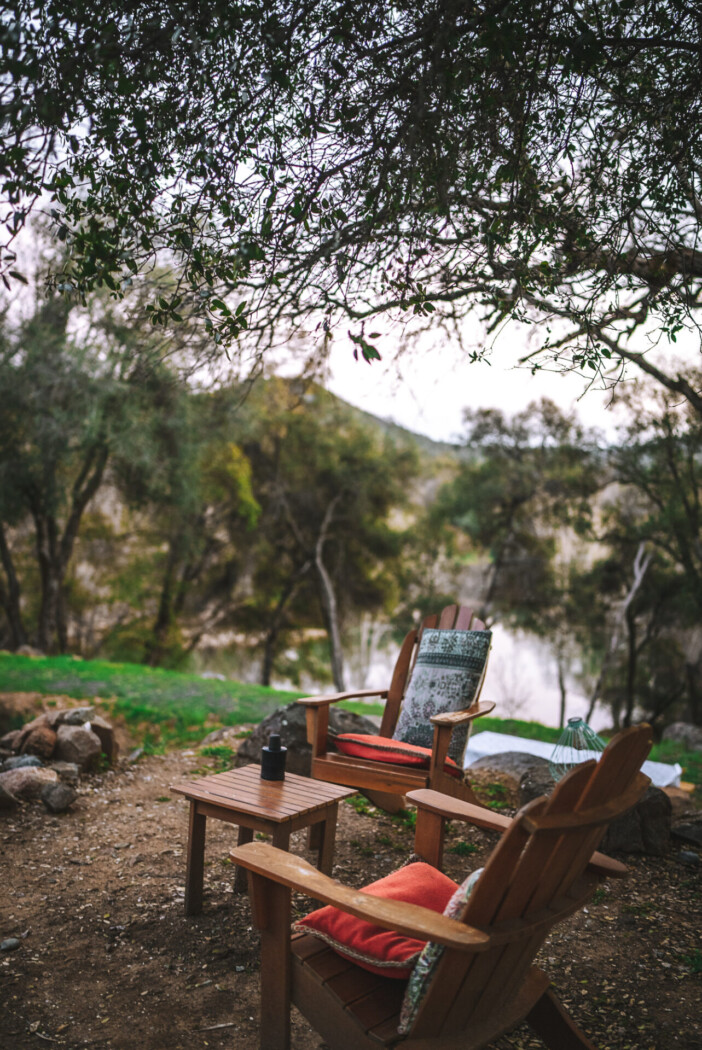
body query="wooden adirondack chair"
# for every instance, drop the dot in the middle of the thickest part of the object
(386, 784)
(541, 871)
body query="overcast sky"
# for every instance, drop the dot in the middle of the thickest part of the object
(427, 388)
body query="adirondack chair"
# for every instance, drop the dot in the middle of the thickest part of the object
(484, 984)
(386, 783)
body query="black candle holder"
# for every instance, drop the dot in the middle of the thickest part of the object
(273, 759)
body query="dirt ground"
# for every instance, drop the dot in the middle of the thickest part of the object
(108, 959)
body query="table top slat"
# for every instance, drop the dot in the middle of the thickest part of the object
(243, 790)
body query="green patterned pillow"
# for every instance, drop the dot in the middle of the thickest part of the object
(446, 677)
(426, 964)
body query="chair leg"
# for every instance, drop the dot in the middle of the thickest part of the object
(386, 800)
(552, 1022)
(270, 904)
(429, 837)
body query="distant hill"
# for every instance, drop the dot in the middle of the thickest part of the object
(427, 445)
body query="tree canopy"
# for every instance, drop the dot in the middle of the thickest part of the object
(532, 159)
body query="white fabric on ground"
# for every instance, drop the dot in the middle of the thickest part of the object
(661, 773)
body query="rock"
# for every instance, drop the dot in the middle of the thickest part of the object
(686, 856)
(227, 734)
(685, 733)
(290, 722)
(7, 799)
(40, 741)
(10, 944)
(512, 763)
(20, 761)
(58, 797)
(28, 782)
(11, 740)
(106, 735)
(29, 650)
(134, 755)
(535, 783)
(77, 743)
(76, 716)
(689, 831)
(644, 829)
(68, 772)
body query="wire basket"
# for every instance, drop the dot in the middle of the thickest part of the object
(577, 744)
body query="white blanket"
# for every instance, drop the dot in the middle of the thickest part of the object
(482, 744)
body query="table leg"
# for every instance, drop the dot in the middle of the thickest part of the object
(314, 835)
(327, 837)
(281, 836)
(240, 881)
(196, 862)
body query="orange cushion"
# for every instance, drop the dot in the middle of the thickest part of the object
(381, 951)
(385, 749)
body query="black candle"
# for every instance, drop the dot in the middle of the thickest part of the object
(273, 759)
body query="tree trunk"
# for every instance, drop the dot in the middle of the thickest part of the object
(562, 690)
(50, 577)
(276, 622)
(54, 551)
(328, 601)
(641, 564)
(632, 653)
(158, 643)
(10, 597)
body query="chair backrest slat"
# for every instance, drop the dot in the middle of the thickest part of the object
(398, 685)
(532, 866)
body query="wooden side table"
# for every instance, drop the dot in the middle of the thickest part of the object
(277, 807)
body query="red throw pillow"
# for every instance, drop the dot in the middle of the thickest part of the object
(381, 951)
(385, 749)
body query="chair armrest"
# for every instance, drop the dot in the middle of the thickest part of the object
(455, 718)
(334, 698)
(410, 919)
(455, 809)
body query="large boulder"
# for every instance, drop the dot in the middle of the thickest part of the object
(11, 741)
(19, 761)
(75, 716)
(689, 829)
(290, 723)
(28, 782)
(40, 741)
(58, 797)
(68, 772)
(513, 764)
(685, 733)
(77, 744)
(7, 799)
(534, 783)
(643, 829)
(106, 735)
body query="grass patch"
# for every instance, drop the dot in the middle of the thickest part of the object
(672, 751)
(171, 709)
(163, 708)
(223, 756)
(358, 707)
(463, 849)
(693, 960)
(362, 806)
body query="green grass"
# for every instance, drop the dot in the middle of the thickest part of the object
(167, 708)
(164, 708)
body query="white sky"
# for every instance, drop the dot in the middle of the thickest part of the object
(427, 388)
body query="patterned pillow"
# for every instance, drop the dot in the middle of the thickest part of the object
(426, 964)
(446, 677)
